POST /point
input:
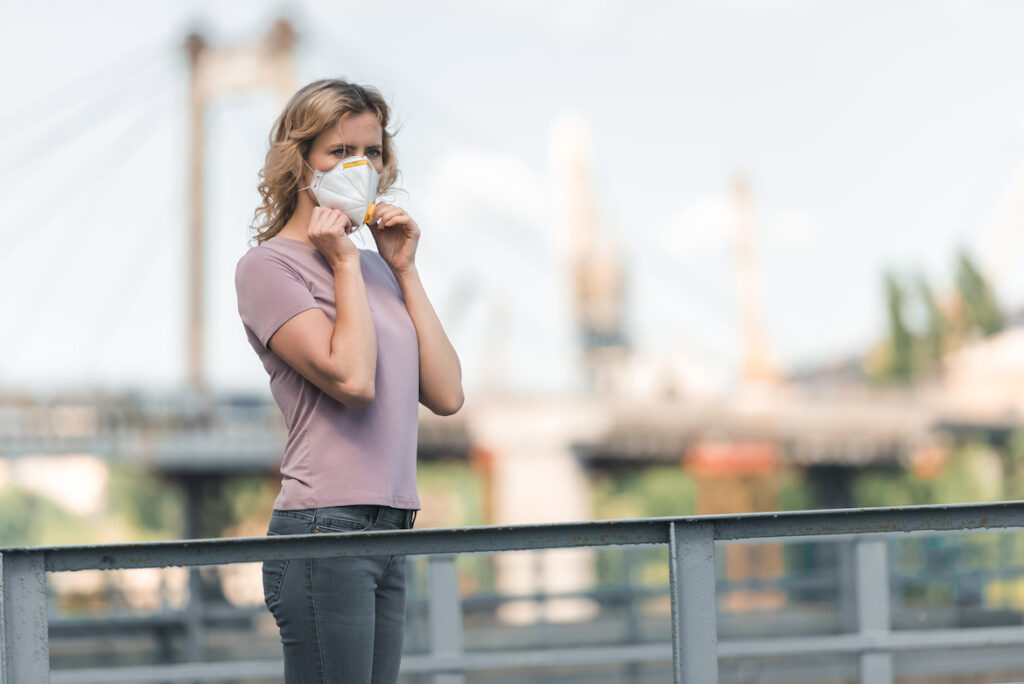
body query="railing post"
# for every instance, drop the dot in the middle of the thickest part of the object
(195, 636)
(633, 670)
(846, 576)
(195, 633)
(694, 605)
(24, 645)
(445, 614)
(873, 609)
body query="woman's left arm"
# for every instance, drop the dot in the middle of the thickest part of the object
(440, 372)
(397, 237)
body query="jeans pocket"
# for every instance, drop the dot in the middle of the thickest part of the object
(273, 578)
(343, 519)
(274, 571)
(336, 524)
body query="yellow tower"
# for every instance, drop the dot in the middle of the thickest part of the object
(594, 262)
(758, 364)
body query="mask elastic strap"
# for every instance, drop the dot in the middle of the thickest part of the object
(310, 187)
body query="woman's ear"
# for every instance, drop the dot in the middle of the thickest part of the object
(305, 174)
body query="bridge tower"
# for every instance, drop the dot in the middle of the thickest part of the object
(268, 63)
(215, 71)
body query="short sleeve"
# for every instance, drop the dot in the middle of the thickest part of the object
(270, 292)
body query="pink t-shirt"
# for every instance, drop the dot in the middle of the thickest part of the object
(336, 455)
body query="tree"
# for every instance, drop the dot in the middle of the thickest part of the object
(900, 365)
(909, 353)
(980, 312)
(937, 327)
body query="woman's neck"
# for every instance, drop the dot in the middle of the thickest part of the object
(297, 227)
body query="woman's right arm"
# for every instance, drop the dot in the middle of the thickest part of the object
(339, 358)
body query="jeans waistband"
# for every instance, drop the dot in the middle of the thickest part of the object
(372, 513)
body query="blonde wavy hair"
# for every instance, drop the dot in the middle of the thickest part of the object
(312, 110)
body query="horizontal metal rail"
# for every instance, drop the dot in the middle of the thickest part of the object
(936, 641)
(495, 538)
(24, 653)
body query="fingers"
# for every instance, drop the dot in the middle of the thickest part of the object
(389, 215)
(327, 221)
(328, 231)
(330, 218)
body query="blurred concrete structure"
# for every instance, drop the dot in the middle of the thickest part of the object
(985, 380)
(537, 478)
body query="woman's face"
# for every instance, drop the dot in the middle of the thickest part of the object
(355, 135)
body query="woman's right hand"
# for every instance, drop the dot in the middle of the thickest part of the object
(328, 231)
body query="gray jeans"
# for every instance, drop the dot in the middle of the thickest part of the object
(342, 620)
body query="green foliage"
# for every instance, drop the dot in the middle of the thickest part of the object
(912, 351)
(153, 507)
(937, 327)
(900, 366)
(1013, 465)
(249, 497)
(974, 473)
(795, 492)
(454, 494)
(981, 311)
(140, 506)
(652, 492)
(148, 506)
(232, 500)
(893, 487)
(30, 520)
(454, 486)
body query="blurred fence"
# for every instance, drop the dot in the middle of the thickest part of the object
(694, 648)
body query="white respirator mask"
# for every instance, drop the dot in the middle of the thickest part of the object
(351, 186)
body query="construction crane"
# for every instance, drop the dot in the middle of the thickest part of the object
(595, 266)
(758, 365)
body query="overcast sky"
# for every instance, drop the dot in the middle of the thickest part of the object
(875, 135)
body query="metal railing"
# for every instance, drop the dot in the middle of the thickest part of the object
(693, 648)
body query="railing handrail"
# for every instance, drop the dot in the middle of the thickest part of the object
(24, 651)
(497, 538)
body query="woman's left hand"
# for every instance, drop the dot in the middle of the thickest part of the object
(396, 235)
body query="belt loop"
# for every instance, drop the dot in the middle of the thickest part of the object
(412, 518)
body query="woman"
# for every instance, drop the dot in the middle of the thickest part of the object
(351, 344)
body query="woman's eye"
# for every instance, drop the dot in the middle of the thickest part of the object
(373, 153)
(340, 150)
